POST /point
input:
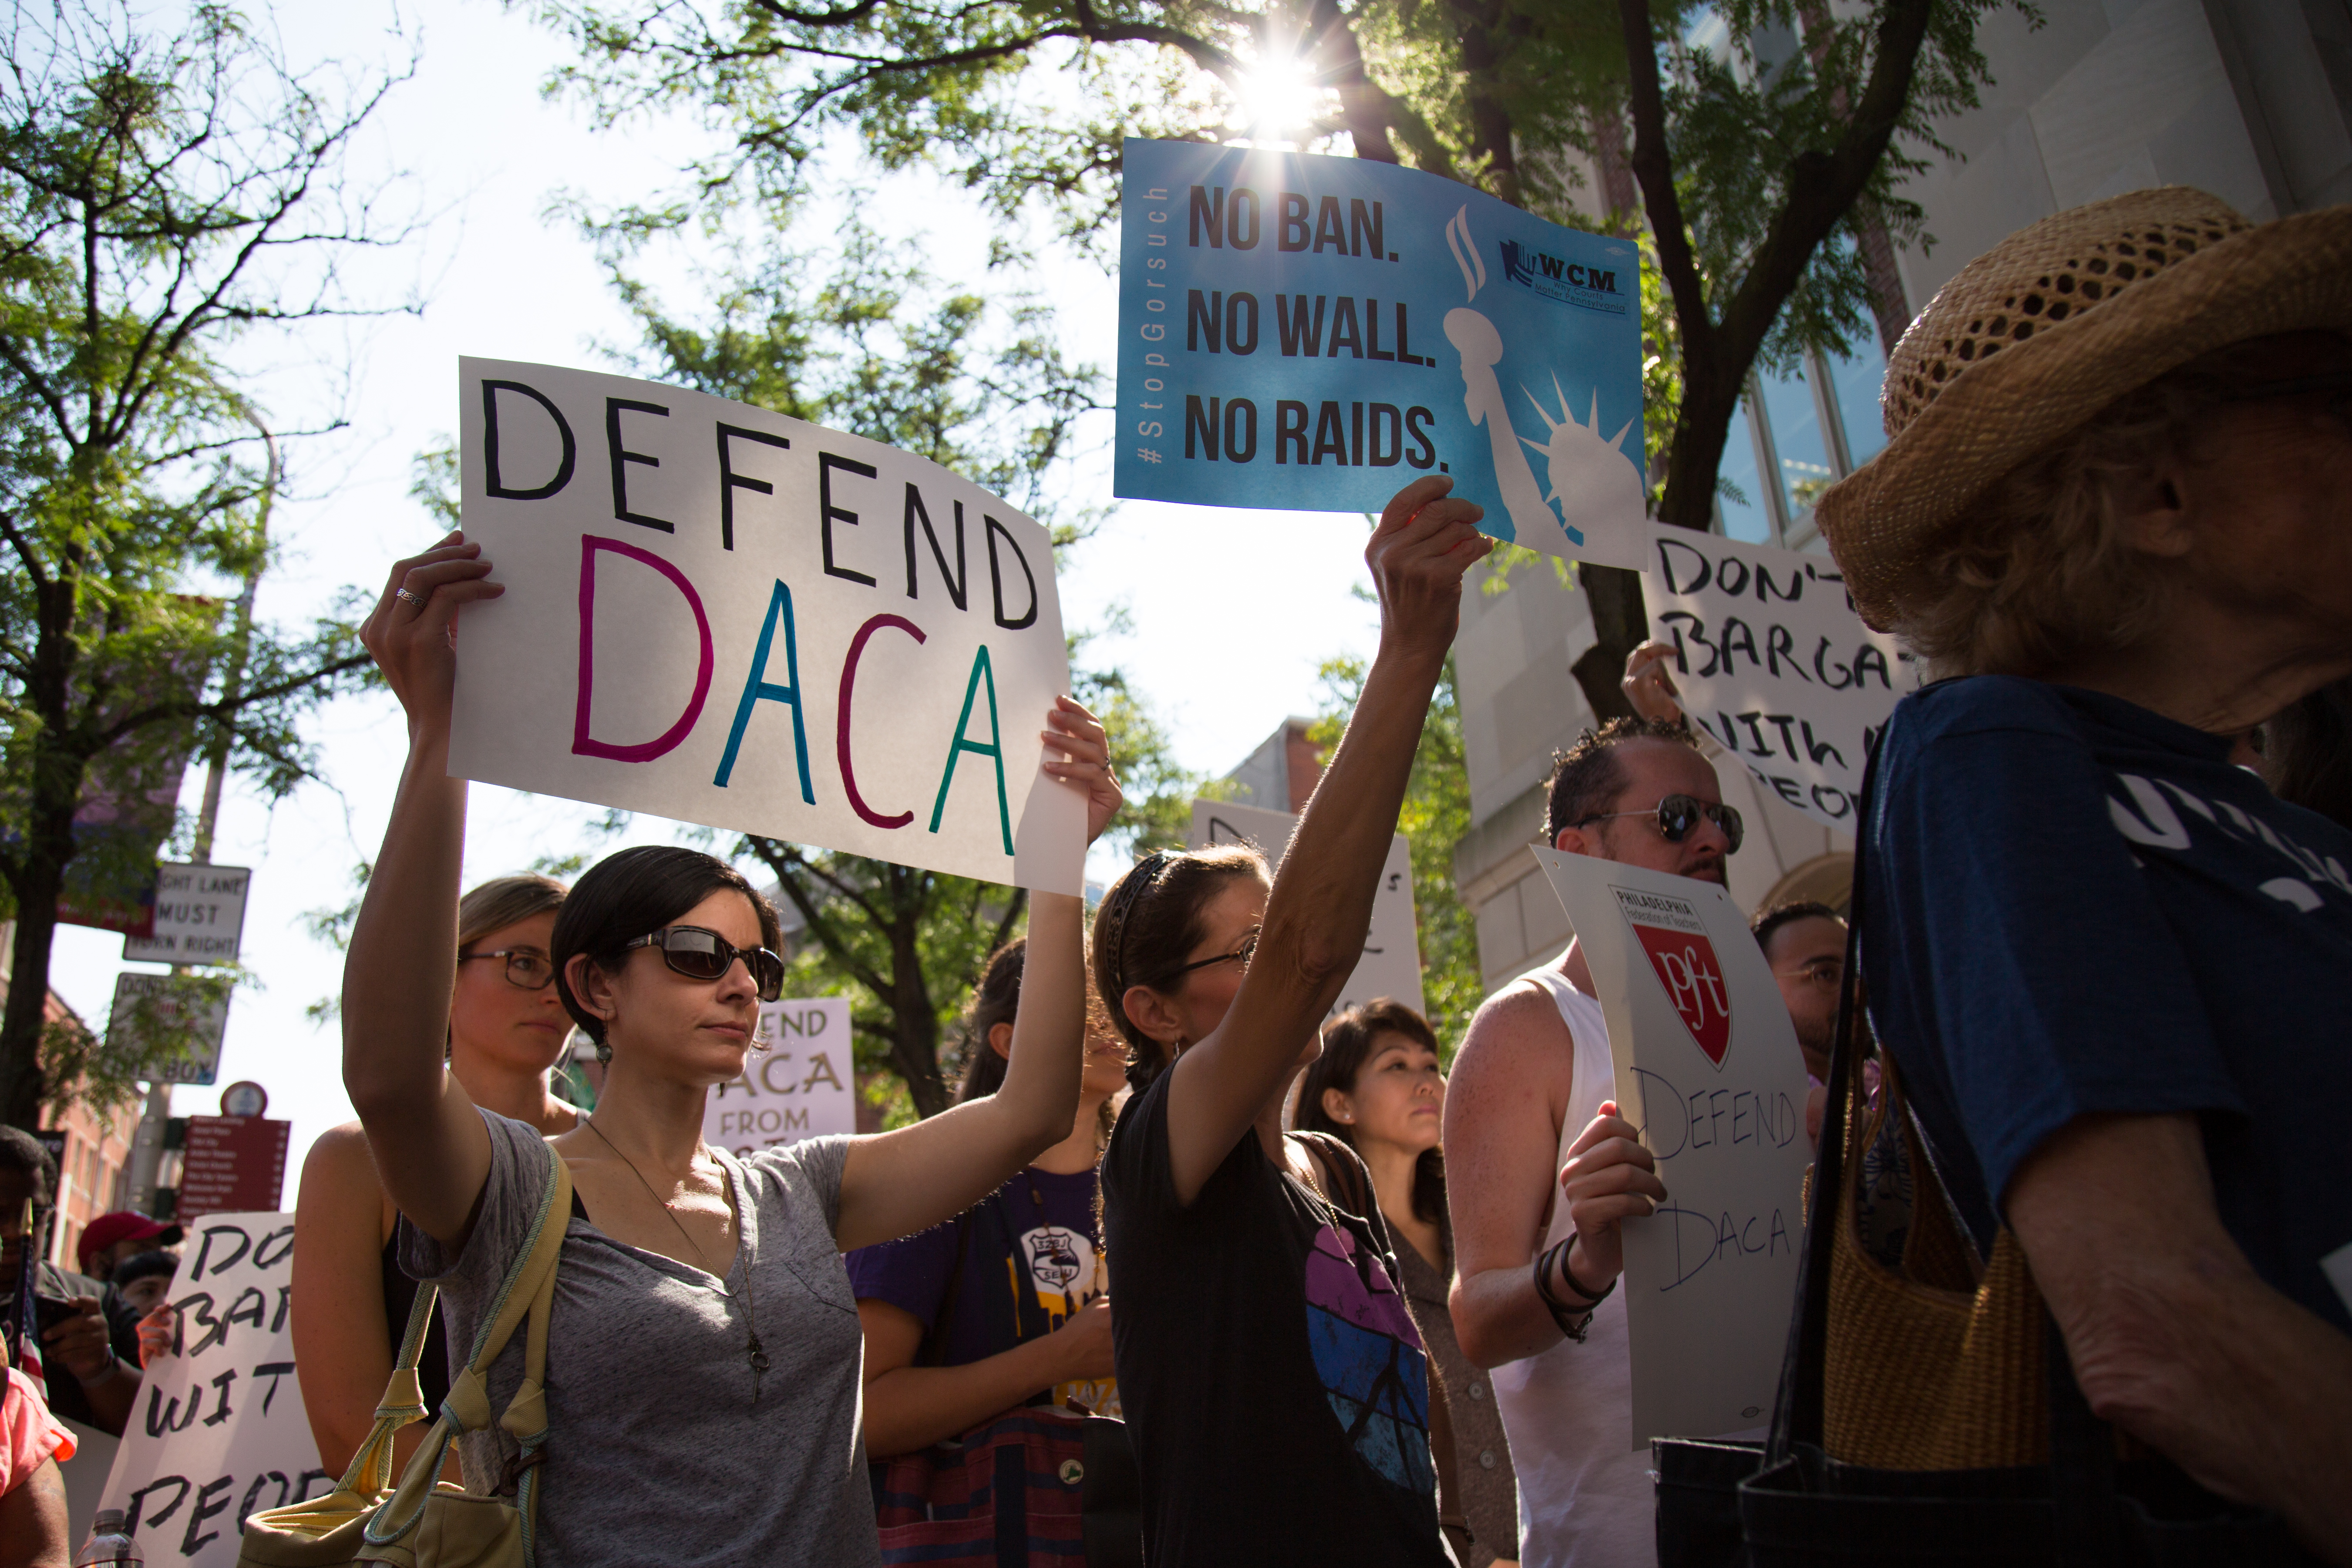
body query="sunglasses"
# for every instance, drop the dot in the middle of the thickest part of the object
(700, 954)
(1676, 815)
(2337, 383)
(526, 967)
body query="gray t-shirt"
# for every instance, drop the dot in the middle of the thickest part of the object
(654, 1450)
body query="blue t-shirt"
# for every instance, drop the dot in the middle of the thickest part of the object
(2076, 906)
(1034, 1238)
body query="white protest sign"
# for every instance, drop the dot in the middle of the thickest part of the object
(171, 1002)
(199, 916)
(1772, 662)
(218, 1431)
(803, 1085)
(1708, 1067)
(1391, 962)
(719, 615)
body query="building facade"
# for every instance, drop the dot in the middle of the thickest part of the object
(2250, 99)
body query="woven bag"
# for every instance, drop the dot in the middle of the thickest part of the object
(424, 1522)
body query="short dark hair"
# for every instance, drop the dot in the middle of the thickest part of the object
(23, 1152)
(140, 1266)
(1588, 776)
(1767, 922)
(1147, 923)
(995, 1000)
(624, 896)
(1347, 1046)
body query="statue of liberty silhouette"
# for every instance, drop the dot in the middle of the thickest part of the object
(1592, 477)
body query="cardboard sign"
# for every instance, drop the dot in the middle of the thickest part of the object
(1391, 962)
(803, 1085)
(1316, 332)
(199, 916)
(218, 1431)
(1772, 662)
(232, 1163)
(719, 615)
(1708, 1067)
(176, 1005)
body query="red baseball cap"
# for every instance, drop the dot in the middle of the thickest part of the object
(121, 1226)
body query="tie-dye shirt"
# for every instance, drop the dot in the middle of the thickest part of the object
(1274, 1386)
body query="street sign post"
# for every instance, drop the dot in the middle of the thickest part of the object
(173, 1001)
(232, 1163)
(199, 916)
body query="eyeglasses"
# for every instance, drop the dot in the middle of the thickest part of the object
(700, 954)
(1676, 815)
(2338, 382)
(527, 967)
(1240, 955)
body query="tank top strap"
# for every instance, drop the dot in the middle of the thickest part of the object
(1594, 1075)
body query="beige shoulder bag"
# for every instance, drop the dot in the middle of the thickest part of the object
(425, 1521)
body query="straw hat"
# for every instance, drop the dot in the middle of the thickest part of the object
(2045, 330)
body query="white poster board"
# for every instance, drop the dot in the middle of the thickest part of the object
(1773, 662)
(1391, 962)
(1708, 1067)
(175, 1003)
(199, 916)
(717, 614)
(219, 1432)
(803, 1085)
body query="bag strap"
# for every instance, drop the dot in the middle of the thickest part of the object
(933, 1351)
(403, 1404)
(1346, 1169)
(527, 1291)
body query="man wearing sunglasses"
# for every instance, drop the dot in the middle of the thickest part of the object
(1534, 1149)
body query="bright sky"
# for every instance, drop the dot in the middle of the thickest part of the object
(1231, 610)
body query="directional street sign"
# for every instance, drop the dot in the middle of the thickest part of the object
(199, 916)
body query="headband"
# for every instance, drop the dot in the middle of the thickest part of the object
(1123, 900)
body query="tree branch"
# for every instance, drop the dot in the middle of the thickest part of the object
(1654, 167)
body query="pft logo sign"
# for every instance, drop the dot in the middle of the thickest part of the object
(1673, 936)
(800, 1084)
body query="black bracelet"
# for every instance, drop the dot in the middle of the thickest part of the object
(1575, 1321)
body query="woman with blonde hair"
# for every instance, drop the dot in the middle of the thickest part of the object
(350, 1300)
(2114, 513)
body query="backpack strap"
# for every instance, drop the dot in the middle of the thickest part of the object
(1344, 1168)
(527, 1291)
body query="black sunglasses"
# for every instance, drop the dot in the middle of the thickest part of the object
(2337, 382)
(700, 954)
(526, 967)
(1676, 815)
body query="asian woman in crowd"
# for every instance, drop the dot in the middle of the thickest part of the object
(702, 1370)
(1273, 1382)
(350, 1300)
(1002, 1306)
(1379, 1089)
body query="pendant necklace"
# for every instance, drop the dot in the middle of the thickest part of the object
(750, 1314)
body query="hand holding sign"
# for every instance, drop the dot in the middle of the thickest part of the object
(1426, 541)
(1085, 751)
(1608, 1178)
(412, 633)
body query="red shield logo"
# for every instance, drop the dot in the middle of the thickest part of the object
(1694, 980)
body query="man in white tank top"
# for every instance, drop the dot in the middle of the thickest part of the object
(1525, 1129)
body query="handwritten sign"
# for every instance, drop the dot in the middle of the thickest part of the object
(1772, 662)
(717, 614)
(218, 1431)
(199, 916)
(801, 1085)
(1391, 962)
(1708, 1067)
(1314, 333)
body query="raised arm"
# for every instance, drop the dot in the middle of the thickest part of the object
(894, 1183)
(1321, 904)
(430, 1147)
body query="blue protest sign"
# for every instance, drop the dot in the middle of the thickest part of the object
(1313, 332)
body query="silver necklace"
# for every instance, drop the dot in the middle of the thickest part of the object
(750, 1315)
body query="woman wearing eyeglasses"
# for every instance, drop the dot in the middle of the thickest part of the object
(1273, 1384)
(705, 1341)
(350, 1300)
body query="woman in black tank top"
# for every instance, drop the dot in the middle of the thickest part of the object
(350, 1301)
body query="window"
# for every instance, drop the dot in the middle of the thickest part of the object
(1806, 430)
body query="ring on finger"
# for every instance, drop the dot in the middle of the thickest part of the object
(406, 597)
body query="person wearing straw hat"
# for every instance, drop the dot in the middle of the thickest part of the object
(2114, 513)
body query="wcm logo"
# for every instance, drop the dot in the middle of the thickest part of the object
(1551, 275)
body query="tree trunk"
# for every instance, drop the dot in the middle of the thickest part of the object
(914, 1024)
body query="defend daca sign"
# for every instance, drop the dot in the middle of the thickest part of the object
(717, 614)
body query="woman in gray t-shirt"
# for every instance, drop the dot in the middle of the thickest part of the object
(702, 1362)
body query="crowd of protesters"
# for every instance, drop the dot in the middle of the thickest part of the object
(1367, 1313)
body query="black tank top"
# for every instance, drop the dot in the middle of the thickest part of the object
(433, 1362)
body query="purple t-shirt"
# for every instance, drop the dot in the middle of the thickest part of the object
(1033, 1235)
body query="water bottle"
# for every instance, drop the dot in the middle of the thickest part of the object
(108, 1543)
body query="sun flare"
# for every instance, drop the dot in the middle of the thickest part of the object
(1279, 96)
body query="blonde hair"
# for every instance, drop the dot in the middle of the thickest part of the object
(502, 901)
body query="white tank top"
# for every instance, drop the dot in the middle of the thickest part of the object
(1585, 1496)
